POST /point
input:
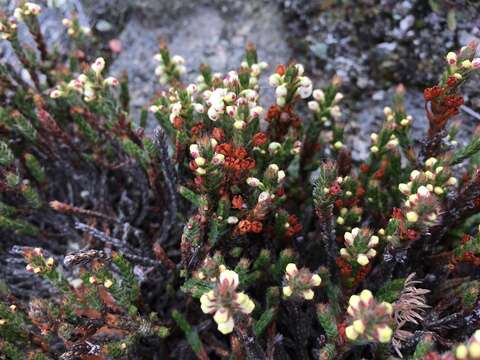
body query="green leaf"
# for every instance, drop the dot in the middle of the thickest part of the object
(265, 319)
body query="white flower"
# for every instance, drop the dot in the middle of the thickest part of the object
(18, 14)
(207, 302)
(281, 91)
(305, 90)
(221, 316)
(374, 240)
(199, 108)
(344, 252)
(218, 159)
(82, 78)
(281, 101)
(178, 60)
(338, 97)
(212, 114)
(231, 110)
(430, 162)
(476, 63)
(98, 65)
(226, 327)
(253, 182)
(335, 112)
(291, 269)
(319, 95)
(280, 176)
(274, 79)
(412, 216)
(200, 161)
(111, 81)
(256, 111)
(191, 89)
(273, 147)
(404, 188)
(314, 106)
(452, 181)
(239, 124)
(246, 304)
(264, 196)
(194, 150)
(232, 220)
(56, 94)
(414, 174)
(230, 97)
(349, 238)
(423, 191)
(451, 58)
(287, 291)
(230, 277)
(308, 294)
(153, 109)
(300, 69)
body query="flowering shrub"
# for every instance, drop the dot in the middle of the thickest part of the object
(234, 229)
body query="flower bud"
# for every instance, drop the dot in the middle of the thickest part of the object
(274, 80)
(56, 94)
(412, 216)
(253, 182)
(239, 124)
(451, 58)
(350, 333)
(218, 159)
(384, 333)
(111, 81)
(362, 259)
(281, 91)
(291, 269)
(232, 220)
(314, 106)
(98, 65)
(308, 294)
(404, 188)
(287, 291)
(200, 161)
(194, 150)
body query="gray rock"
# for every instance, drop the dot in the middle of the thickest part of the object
(407, 22)
(202, 35)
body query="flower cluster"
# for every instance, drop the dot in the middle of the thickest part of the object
(322, 106)
(224, 301)
(170, 67)
(37, 263)
(289, 83)
(360, 246)
(8, 28)
(90, 85)
(369, 321)
(443, 100)
(26, 10)
(436, 177)
(74, 29)
(299, 283)
(419, 212)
